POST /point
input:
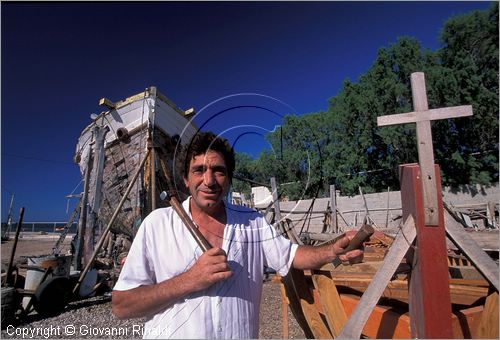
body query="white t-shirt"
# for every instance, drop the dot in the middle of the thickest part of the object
(163, 248)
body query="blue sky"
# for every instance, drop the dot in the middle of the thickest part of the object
(59, 59)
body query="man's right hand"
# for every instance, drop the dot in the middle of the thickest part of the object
(211, 267)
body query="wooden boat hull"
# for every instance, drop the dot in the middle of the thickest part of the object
(148, 119)
(314, 298)
(389, 319)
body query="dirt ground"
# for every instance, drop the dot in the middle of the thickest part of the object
(35, 245)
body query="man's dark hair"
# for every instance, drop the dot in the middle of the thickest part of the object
(205, 141)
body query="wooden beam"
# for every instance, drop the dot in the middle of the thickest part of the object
(398, 249)
(330, 300)
(434, 114)
(425, 150)
(482, 261)
(430, 301)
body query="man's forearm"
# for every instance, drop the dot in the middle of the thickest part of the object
(148, 300)
(309, 257)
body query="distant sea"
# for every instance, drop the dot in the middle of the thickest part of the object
(40, 226)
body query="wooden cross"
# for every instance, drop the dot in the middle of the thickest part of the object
(423, 116)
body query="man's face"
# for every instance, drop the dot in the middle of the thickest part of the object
(207, 180)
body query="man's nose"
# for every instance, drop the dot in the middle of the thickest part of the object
(208, 178)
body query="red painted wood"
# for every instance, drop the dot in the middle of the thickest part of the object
(429, 291)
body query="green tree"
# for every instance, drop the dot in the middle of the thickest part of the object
(468, 147)
(343, 145)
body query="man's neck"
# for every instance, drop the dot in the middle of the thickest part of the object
(217, 212)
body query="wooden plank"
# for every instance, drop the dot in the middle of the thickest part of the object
(328, 296)
(462, 292)
(488, 326)
(465, 322)
(306, 300)
(482, 261)
(356, 322)
(284, 305)
(330, 300)
(434, 114)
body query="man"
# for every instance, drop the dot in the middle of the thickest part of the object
(185, 293)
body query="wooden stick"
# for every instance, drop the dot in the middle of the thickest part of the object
(110, 223)
(14, 246)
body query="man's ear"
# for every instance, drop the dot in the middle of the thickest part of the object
(186, 183)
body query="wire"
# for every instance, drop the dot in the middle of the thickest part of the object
(37, 159)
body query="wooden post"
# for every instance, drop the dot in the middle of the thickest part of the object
(77, 257)
(387, 210)
(429, 290)
(14, 245)
(333, 205)
(276, 201)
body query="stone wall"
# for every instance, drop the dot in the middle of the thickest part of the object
(352, 209)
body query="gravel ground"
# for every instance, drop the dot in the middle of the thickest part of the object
(92, 318)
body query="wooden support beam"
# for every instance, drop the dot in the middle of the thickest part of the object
(363, 310)
(430, 302)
